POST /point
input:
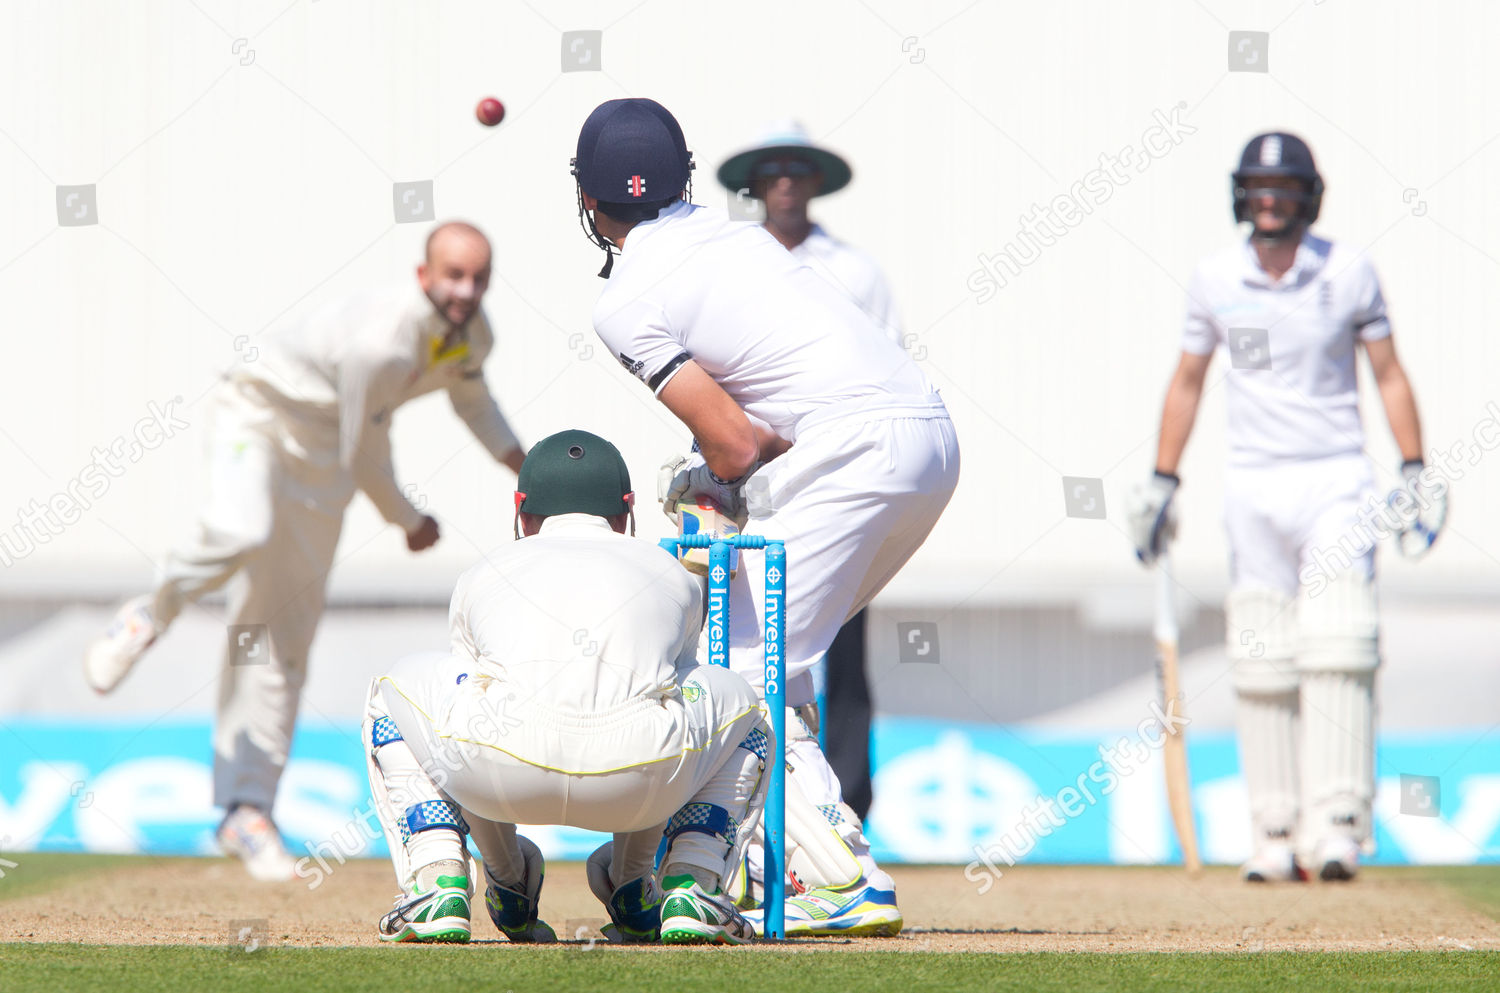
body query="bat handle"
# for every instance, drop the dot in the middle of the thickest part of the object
(1165, 626)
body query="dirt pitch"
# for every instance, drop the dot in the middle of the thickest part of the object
(1041, 908)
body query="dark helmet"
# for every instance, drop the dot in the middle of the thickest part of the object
(573, 472)
(633, 159)
(632, 151)
(1277, 154)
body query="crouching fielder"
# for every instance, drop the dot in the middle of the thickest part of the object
(571, 696)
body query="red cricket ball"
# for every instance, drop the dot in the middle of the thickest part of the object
(490, 112)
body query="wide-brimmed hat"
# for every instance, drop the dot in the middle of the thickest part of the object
(786, 137)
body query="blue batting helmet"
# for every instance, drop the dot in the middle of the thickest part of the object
(1281, 155)
(632, 151)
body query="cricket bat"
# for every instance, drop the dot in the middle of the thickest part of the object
(1174, 747)
(704, 517)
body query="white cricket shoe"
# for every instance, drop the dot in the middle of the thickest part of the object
(1337, 859)
(862, 909)
(108, 660)
(249, 835)
(1273, 862)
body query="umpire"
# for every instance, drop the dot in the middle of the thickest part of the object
(785, 170)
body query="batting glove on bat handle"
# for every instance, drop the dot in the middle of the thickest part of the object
(673, 481)
(691, 479)
(1152, 517)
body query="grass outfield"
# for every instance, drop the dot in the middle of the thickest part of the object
(1478, 885)
(53, 968)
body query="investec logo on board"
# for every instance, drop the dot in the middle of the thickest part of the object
(718, 650)
(773, 640)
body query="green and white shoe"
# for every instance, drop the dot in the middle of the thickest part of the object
(690, 915)
(441, 914)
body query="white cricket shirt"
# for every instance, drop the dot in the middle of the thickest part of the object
(1305, 405)
(855, 274)
(337, 378)
(781, 341)
(576, 617)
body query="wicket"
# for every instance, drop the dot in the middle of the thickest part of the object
(719, 549)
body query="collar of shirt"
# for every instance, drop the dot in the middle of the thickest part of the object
(1312, 252)
(441, 338)
(574, 523)
(645, 229)
(817, 241)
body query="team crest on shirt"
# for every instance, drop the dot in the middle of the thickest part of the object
(691, 692)
(632, 366)
(437, 354)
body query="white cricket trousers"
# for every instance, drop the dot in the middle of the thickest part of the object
(269, 530)
(503, 755)
(1299, 515)
(853, 499)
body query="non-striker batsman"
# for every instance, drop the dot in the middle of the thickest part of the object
(1294, 309)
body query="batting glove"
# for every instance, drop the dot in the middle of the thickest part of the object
(690, 478)
(1151, 516)
(1421, 507)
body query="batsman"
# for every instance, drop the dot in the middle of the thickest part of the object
(1293, 309)
(812, 426)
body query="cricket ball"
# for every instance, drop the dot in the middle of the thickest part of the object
(490, 112)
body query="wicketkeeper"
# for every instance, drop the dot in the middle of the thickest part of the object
(570, 696)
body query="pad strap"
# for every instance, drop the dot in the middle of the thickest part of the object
(703, 818)
(756, 742)
(432, 814)
(384, 732)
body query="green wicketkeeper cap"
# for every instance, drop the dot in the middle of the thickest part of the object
(573, 472)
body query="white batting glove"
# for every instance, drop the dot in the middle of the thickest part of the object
(689, 478)
(1421, 506)
(1151, 516)
(672, 482)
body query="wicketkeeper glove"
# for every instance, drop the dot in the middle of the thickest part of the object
(1151, 516)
